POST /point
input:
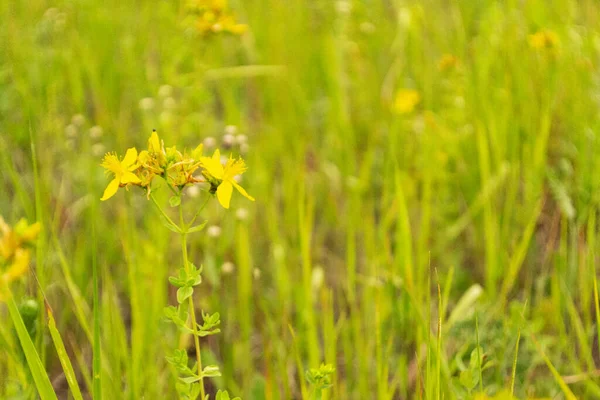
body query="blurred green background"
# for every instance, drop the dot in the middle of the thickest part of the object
(392, 146)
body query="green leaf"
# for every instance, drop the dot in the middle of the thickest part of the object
(223, 395)
(190, 379)
(183, 293)
(64, 358)
(211, 371)
(170, 226)
(38, 372)
(176, 281)
(180, 280)
(197, 228)
(174, 201)
(469, 379)
(170, 312)
(194, 278)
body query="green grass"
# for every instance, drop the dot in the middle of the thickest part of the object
(492, 181)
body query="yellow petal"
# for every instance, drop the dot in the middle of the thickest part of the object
(111, 189)
(129, 177)
(130, 157)
(154, 143)
(197, 153)
(213, 165)
(19, 266)
(241, 190)
(31, 232)
(224, 193)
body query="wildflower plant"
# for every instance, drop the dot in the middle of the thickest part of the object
(210, 17)
(320, 379)
(180, 170)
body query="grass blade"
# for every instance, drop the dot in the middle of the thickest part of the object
(38, 372)
(97, 357)
(63, 356)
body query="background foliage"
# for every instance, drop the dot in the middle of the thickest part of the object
(392, 146)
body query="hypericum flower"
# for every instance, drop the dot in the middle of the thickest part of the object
(13, 239)
(121, 170)
(14, 254)
(221, 177)
(406, 101)
(213, 17)
(544, 40)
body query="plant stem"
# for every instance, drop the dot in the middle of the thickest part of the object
(191, 301)
(199, 210)
(162, 212)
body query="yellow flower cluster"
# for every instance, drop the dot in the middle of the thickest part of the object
(213, 16)
(176, 168)
(14, 248)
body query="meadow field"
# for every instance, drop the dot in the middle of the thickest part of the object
(419, 220)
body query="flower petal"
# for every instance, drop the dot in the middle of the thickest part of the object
(241, 190)
(130, 157)
(111, 189)
(213, 165)
(224, 193)
(197, 153)
(154, 143)
(129, 177)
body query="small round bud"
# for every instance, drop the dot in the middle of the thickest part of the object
(231, 130)
(241, 214)
(228, 140)
(209, 142)
(241, 139)
(147, 103)
(96, 132)
(227, 268)
(78, 120)
(193, 191)
(71, 131)
(213, 231)
(318, 277)
(165, 91)
(98, 149)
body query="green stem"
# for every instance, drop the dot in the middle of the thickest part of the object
(191, 301)
(199, 210)
(162, 212)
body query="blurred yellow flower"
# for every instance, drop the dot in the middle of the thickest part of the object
(406, 101)
(121, 170)
(221, 177)
(213, 16)
(14, 255)
(544, 40)
(447, 61)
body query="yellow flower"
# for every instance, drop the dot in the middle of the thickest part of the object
(406, 101)
(14, 254)
(221, 177)
(121, 170)
(13, 239)
(447, 62)
(544, 40)
(19, 266)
